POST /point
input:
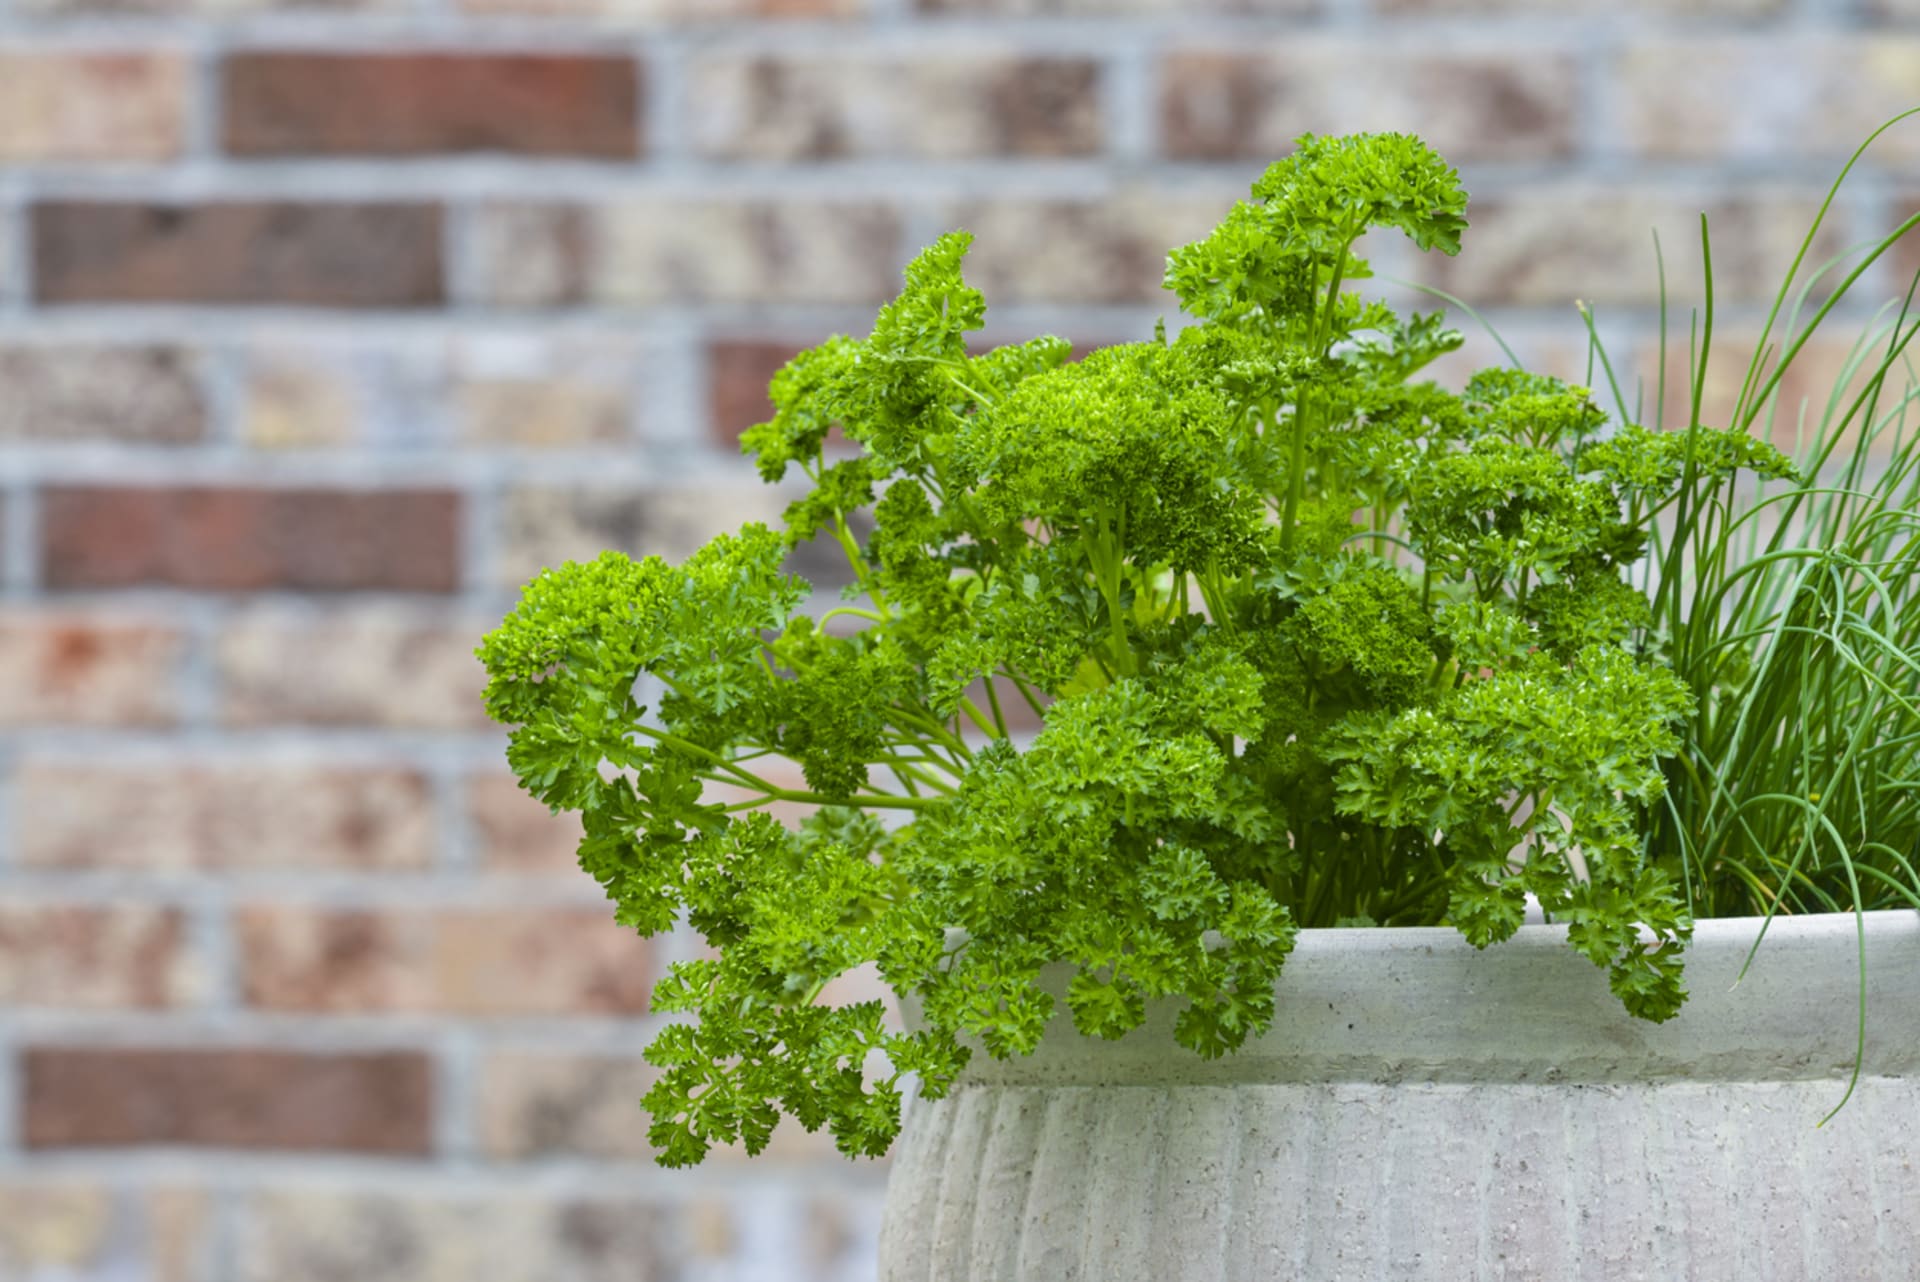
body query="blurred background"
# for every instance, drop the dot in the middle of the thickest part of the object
(324, 325)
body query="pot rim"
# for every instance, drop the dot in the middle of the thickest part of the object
(1385, 1004)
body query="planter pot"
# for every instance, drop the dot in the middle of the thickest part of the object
(1421, 1110)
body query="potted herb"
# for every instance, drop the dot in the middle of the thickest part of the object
(1314, 649)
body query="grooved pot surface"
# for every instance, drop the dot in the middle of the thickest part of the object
(1421, 1110)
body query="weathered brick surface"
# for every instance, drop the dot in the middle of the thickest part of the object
(542, 526)
(1728, 92)
(699, 13)
(292, 104)
(299, 399)
(948, 106)
(87, 957)
(662, 251)
(68, 393)
(1112, 250)
(1540, 248)
(1641, 9)
(1122, 8)
(232, 817)
(517, 392)
(1220, 104)
(513, 833)
(441, 1237)
(1819, 370)
(538, 1105)
(531, 255)
(70, 107)
(485, 962)
(116, 1097)
(535, 1105)
(72, 668)
(63, 1227)
(321, 254)
(237, 540)
(738, 371)
(365, 666)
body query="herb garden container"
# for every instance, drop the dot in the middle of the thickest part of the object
(1423, 1110)
(1228, 692)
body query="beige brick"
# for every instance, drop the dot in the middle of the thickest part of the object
(514, 833)
(543, 1105)
(352, 666)
(1820, 368)
(1111, 250)
(703, 12)
(174, 818)
(538, 1105)
(793, 251)
(1770, 98)
(543, 526)
(433, 1237)
(532, 255)
(529, 961)
(47, 1226)
(71, 668)
(1515, 103)
(216, 9)
(1648, 8)
(69, 107)
(1122, 8)
(57, 1227)
(94, 957)
(518, 391)
(666, 250)
(1555, 243)
(64, 394)
(299, 400)
(952, 106)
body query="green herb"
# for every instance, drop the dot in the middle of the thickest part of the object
(1311, 644)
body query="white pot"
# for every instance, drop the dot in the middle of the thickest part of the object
(1421, 1110)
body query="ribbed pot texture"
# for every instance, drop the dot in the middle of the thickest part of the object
(1421, 1110)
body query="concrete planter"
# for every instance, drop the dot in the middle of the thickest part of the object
(1421, 1110)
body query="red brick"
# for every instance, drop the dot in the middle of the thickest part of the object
(222, 539)
(513, 833)
(528, 961)
(291, 104)
(171, 817)
(88, 957)
(1513, 106)
(61, 107)
(738, 371)
(1903, 260)
(87, 669)
(811, 107)
(363, 666)
(125, 395)
(287, 253)
(114, 1097)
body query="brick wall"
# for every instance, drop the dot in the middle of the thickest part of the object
(324, 325)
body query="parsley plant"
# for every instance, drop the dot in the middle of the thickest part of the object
(1311, 644)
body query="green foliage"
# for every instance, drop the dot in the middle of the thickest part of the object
(1306, 644)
